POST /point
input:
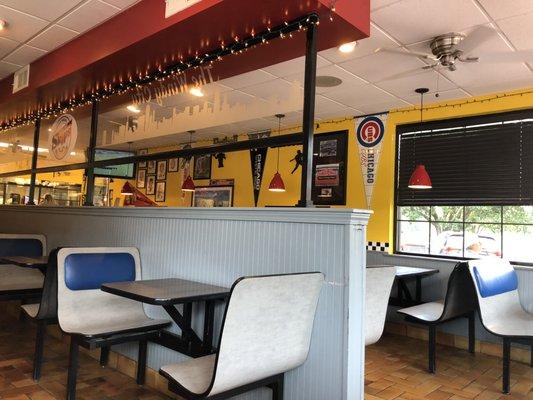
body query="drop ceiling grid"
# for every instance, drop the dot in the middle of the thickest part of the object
(34, 30)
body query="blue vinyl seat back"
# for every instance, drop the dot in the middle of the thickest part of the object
(28, 247)
(495, 278)
(88, 271)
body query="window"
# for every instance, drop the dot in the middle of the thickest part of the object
(481, 203)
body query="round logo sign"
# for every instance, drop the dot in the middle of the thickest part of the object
(62, 137)
(370, 132)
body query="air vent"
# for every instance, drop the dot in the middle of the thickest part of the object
(175, 6)
(21, 79)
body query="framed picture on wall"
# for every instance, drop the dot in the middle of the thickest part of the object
(142, 152)
(173, 165)
(141, 178)
(162, 170)
(151, 167)
(202, 167)
(213, 196)
(329, 168)
(150, 185)
(160, 191)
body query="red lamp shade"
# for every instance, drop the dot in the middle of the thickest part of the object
(420, 178)
(127, 190)
(276, 184)
(188, 185)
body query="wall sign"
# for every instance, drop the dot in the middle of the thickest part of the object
(370, 132)
(329, 168)
(62, 137)
(258, 160)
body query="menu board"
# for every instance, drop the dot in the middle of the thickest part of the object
(329, 168)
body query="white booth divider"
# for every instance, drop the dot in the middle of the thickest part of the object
(217, 246)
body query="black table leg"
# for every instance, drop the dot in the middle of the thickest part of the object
(418, 293)
(184, 324)
(209, 322)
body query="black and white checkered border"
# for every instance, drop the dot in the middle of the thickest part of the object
(377, 246)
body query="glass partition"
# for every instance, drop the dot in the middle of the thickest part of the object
(60, 189)
(16, 149)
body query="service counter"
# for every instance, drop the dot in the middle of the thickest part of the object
(217, 246)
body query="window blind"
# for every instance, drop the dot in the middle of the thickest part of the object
(481, 160)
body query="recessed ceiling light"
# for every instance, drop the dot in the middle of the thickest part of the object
(327, 81)
(196, 91)
(3, 24)
(133, 108)
(347, 47)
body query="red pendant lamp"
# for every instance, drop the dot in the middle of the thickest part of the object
(420, 178)
(277, 184)
(188, 183)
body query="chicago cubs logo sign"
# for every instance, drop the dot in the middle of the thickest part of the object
(370, 131)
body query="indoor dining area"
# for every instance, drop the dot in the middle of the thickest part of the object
(255, 200)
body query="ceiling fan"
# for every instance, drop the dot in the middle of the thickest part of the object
(450, 49)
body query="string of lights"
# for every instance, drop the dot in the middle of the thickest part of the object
(238, 46)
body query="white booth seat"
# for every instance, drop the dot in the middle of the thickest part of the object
(12, 277)
(500, 310)
(459, 302)
(266, 332)
(95, 319)
(82, 307)
(379, 280)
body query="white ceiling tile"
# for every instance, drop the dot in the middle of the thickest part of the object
(271, 89)
(7, 69)
(6, 46)
(348, 79)
(364, 47)
(49, 10)
(236, 96)
(247, 79)
(362, 95)
(88, 15)
(382, 65)
(122, 4)
(20, 26)
(479, 74)
(373, 108)
(52, 38)
(432, 97)
(25, 55)
(375, 4)
(499, 9)
(325, 105)
(293, 67)
(519, 30)
(407, 84)
(412, 21)
(500, 87)
(340, 113)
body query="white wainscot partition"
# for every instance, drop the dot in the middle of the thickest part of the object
(217, 246)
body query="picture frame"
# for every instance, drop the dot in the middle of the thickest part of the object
(141, 179)
(202, 167)
(162, 170)
(151, 167)
(160, 191)
(142, 152)
(213, 196)
(150, 185)
(173, 165)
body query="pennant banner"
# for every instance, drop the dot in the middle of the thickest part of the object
(370, 132)
(258, 159)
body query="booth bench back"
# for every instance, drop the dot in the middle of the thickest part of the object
(81, 272)
(28, 245)
(496, 285)
(267, 328)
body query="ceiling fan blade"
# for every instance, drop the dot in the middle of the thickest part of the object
(475, 39)
(425, 56)
(508, 57)
(411, 72)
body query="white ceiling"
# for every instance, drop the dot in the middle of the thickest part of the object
(371, 81)
(36, 27)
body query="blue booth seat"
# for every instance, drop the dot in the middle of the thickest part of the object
(93, 318)
(18, 283)
(499, 305)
